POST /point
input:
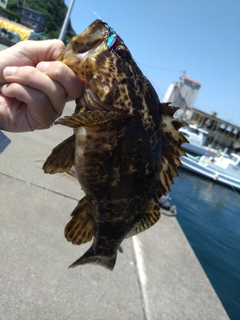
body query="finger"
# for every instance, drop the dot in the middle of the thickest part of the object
(58, 71)
(33, 78)
(46, 50)
(34, 111)
(30, 53)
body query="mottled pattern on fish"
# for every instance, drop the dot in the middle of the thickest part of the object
(125, 147)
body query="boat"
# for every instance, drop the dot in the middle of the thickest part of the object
(197, 138)
(222, 168)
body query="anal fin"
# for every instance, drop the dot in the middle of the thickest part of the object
(62, 157)
(151, 216)
(80, 229)
(88, 119)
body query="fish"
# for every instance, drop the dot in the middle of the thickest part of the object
(125, 145)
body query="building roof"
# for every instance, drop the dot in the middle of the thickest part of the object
(192, 81)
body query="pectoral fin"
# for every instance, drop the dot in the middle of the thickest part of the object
(80, 228)
(88, 119)
(62, 157)
(151, 216)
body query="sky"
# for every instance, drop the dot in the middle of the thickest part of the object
(169, 37)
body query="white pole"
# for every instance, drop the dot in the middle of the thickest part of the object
(65, 23)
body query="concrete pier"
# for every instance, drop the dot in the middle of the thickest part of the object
(156, 277)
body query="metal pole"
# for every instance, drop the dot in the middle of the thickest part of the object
(65, 23)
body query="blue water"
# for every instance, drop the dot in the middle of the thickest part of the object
(209, 214)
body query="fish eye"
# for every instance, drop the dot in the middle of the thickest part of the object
(122, 52)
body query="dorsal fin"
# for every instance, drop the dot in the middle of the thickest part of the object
(171, 147)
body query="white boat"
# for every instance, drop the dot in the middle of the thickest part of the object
(223, 168)
(197, 138)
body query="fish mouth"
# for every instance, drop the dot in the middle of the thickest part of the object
(91, 37)
(86, 44)
(84, 47)
(80, 56)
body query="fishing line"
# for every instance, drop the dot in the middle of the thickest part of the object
(161, 68)
(153, 83)
(149, 78)
(98, 16)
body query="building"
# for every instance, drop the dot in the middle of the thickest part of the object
(29, 17)
(33, 19)
(182, 94)
(221, 134)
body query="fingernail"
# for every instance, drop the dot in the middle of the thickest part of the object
(9, 71)
(42, 66)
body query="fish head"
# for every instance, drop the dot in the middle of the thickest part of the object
(100, 57)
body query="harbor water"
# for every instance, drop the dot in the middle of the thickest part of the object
(209, 214)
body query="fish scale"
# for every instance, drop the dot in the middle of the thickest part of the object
(125, 146)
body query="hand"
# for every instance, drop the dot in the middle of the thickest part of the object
(33, 87)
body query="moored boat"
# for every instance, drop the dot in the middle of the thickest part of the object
(197, 138)
(223, 168)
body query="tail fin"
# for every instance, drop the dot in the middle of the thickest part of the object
(89, 257)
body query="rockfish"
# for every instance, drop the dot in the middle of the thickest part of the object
(125, 146)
